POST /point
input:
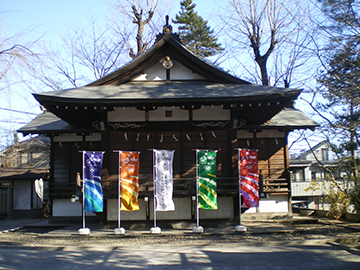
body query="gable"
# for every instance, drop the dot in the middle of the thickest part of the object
(152, 59)
(178, 72)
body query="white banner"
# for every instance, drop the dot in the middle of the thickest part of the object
(164, 180)
(39, 188)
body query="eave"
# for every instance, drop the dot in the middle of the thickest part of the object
(81, 106)
(22, 173)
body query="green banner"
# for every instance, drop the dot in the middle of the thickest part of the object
(207, 179)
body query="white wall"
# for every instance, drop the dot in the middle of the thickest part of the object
(177, 114)
(270, 134)
(275, 204)
(22, 195)
(180, 72)
(211, 113)
(130, 114)
(112, 213)
(177, 72)
(182, 210)
(225, 209)
(66, 208)
(68, 138)
(154, 73)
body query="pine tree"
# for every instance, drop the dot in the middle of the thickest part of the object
(194, 32)
(340, 83)
(341, 92)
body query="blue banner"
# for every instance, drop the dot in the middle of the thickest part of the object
(92, 181)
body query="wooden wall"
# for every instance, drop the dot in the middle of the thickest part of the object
(184, 143)
(67, 161)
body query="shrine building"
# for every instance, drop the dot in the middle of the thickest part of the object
(168, 98)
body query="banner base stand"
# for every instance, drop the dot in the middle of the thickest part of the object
(198, 229)
(119, 230)
(240, 228)
(155, 230)
(84, 231)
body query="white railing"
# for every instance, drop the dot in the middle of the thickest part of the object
(298, 189)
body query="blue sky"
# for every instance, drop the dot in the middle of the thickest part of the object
(47, 16)
(52, 16)
(48, 20)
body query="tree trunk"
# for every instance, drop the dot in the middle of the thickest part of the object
(263, 69)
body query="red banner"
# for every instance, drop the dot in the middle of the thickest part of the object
(249, 177)
(129, 181)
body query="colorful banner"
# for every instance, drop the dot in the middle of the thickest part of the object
(249, 177)
(164, 180)
(207, 179)
(92, 181)
(129, 173)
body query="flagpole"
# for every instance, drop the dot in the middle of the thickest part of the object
(154, 182)
(239, 228)
(83, 195)
(119, 191)
(239, 185)
(197, 189)
(155, 229)
(119, 229)
(83, 230)
(198, 228)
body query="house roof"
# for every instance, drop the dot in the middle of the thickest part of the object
(291, 118)
(162, 93)
(22, 173)
(80, 107)
(313, 149)
(38, 141)
(50, 123)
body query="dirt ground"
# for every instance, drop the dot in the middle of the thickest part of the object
(327, 232)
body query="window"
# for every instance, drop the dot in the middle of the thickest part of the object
(297, 175)
(168, 113)
(325, 154)
(30, 159)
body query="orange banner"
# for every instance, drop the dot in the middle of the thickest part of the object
(129, 162)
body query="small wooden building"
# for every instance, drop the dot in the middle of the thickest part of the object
(168, 98)
(22, 165)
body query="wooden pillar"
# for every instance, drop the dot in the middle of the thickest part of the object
(105, 146)
(51, 171)
(286, 168)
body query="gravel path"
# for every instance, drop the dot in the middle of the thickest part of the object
(324, 232)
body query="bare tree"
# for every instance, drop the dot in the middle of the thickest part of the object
(14, 51)
(10, 52)
(85, 54)
(90, 52)
(147, 19)
(138, 20)
(266, 27)
(99, 50)
(17, 54)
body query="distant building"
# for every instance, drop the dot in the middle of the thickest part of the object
(311, 165)
(24, 170)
